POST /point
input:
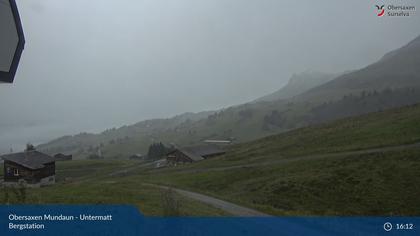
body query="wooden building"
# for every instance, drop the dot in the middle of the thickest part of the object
(33, 167)
(63, 157)
(193, 154)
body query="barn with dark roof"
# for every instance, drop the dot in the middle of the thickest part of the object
(193, 153)
(33, 167)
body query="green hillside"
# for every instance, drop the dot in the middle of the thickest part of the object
(391, 82)
(242, 123)
(394, 127)
(379, 184)
(366, 165)
(354, 166)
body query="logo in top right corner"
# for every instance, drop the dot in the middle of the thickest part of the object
(381, 10)
(395, 10)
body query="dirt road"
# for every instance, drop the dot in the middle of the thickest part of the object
(228, 207)
(237, 210)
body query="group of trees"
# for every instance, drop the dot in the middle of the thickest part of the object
(157, 150)
(365, 102)
(246, 114)
(349, 105)
(118, 140)
(211, 119)
(29, 147)
(275, 118)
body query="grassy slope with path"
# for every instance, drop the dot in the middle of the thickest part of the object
(380, 183)
(368, 184)
(88, 182)
(382, 129)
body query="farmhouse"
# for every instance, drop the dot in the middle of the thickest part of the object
(193, 154)
(35, 168)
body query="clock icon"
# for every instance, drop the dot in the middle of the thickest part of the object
(387, 226)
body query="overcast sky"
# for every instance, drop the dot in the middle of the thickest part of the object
(97, 64)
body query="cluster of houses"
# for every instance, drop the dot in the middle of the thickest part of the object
(38, 169)
(184, 155)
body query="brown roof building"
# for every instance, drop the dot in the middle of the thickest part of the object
(193, 153)
(33, 167)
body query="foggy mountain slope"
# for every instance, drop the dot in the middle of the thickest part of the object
(138, 136)
(298, 84)
(89, 143)
(378, 86)
(397, 69)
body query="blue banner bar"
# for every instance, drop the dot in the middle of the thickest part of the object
(127, 220)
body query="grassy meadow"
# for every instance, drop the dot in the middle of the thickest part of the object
(309, 171)
(89, 182)
(368, 184)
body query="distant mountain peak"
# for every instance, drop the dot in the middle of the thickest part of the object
(396, 69)
(299, 83)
